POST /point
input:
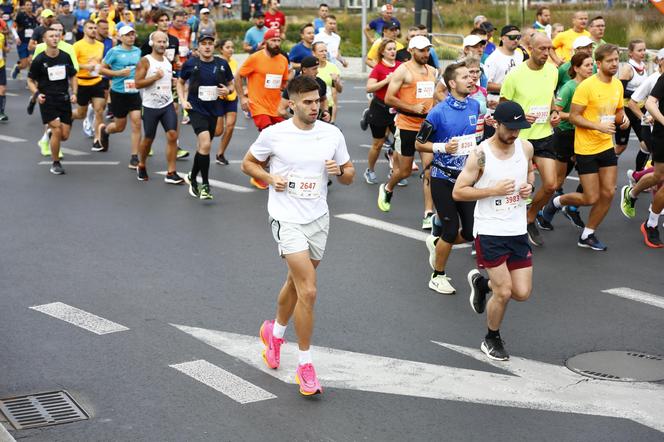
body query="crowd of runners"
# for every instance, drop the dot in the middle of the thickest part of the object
(543, 100)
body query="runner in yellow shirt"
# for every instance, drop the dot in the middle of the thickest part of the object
(563, 42)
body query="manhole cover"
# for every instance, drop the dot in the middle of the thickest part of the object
(42, 409)
(626, 366)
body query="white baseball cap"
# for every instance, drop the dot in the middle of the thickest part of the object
(582, 42)
(471, 40)
(125, 30)
(205, 11)
(419, 42)
(386, 8)
(660, 54)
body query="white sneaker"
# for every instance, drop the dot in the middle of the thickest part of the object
(441, 284)
(431, 247)
(87, 128)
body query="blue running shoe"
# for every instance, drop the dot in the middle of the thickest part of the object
(592, 243)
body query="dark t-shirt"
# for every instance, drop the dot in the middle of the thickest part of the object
(38, 34)
(52, 74)
(23, 22)
(210, 74)
(658, 92)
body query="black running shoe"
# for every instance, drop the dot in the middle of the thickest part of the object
(534, 235)
(103, 139)
(56, 168)
(543, 223)
(494, 349)
(591, 243)
(477, 295)
(193, 187)
(221, 159)
(133, 162)
(573, 215)
(141, 173)
(97, 147)
(651, 236)
(173, 178)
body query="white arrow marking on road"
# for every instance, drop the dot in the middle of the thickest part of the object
(389, 227)
(74, 152)
(79, 318)
(537, 386)
(637, 295)
(82, 163)
(223, 381)
(9, 139)
(220, 184)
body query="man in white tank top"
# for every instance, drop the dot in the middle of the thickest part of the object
(499, 176)
(154, 75)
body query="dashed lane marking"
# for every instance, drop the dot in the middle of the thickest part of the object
(79, 318)
(390, 227)
(637, 295)
(82, 163)
(9, 139)
(221, 184)
(73, 152)
(223, 381)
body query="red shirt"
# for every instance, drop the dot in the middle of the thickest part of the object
(380, 72)
(276, 20)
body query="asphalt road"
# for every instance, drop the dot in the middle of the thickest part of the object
(146, 255)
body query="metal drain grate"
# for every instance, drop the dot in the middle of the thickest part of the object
(42, 409)
(626, 366)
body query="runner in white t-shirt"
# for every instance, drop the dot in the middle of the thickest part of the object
(501, 61)
(302, 153)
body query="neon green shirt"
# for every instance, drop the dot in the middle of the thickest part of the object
(533, 90)
(63, 46)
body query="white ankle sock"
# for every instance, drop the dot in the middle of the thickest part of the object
(278, 330)
(653, 219)
(556, 202)
(587, 232)
(304, 357)
(45, 136)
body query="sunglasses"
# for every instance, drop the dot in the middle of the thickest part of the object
(514, 37)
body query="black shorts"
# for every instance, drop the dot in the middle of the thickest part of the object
(379, 117)
(56, 107)
(657, 151)
(646, 136)
(121, 104)
(622, 136)
(543, 148)
(87, 93)
(378, 132)
(494, 251)
(3, 76)
(593, 163)
(563, 143)
(450, 211)
(202, 123)
(152, 117)
(228, 106)
(404, 142)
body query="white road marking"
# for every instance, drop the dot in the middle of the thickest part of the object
(82, 163)
(4, 434)
(637, 295)
(220, 184)
(531, 384)
(389, 227)
(573, 178)
(73, 152)
(80, 318)
(224, 382)
(11, 94)
(9, 139)
(241, 128)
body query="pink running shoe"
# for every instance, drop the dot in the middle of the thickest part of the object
(272, 352)
(306, 378)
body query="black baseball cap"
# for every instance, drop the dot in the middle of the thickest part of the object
(310, 61)
(392, 25)
(206, 36)
(511, 115)
(487, 26)
(509, 28)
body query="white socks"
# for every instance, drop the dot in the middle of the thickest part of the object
(653, 218)
(587, 232)
(45, 136)
(556, 202)
(304, 357)
(278, 330)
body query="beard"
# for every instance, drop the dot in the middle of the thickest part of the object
(273, 50)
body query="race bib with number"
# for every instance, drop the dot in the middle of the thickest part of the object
(56, 73)
(607, 119)
(304, 187)
(130, 86)
(424, 89)
(184, 51)
(207, 93)
(170, 54)
(69, 36)
(466, 144)
(272, 81)
(541, 113)
(507, 202)
(28, 33)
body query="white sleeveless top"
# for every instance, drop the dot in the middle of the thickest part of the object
(159, 94)
(637, 78)
(502, 215)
